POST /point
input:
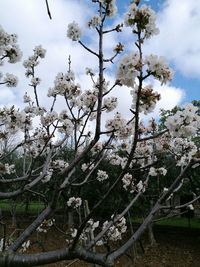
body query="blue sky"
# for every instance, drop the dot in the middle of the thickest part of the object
(188, 81)
(178, 42)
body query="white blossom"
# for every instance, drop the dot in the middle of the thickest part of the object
(94, 22)
(159, 171)
(9, 169)
(74, 202)
(27, 98)
(190, 207)
(128, 69)
(45, 225)
(141, 187)
(120, 126)
(35, 81)
(158, 68)
(74, 31)
(49, 117)
(111, 7)
(110, 103)
(39, 51)
(86, 166)
(128, 182)
(115, 232)
(148, 98)
(143, 18)
(101, 175)
(184, 123)
(10, 80)
(59, 164)
(26, 245)
(47, 176)
(183, 149)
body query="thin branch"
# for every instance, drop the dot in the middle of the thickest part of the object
(48, 10)
(88, 49)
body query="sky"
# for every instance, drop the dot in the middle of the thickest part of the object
(178, 42)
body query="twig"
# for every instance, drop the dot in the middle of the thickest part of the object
(72, 262)
(48, 10)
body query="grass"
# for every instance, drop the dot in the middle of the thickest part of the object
(177, 222)
(180, 222)
(33, 207)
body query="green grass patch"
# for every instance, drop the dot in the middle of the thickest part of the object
(176, 222)
(180, 222)
(33, 207)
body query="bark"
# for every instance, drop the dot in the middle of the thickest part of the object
(28, 260)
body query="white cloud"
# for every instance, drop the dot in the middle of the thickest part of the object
(33, 26)
(179, 38)
(30, 21)
(170, 97)
(7, 96)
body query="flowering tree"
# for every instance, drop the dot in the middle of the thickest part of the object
(141, 146)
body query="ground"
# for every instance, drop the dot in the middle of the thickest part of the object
(175, 247)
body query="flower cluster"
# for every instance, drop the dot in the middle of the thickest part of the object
(116, 160)
(155, 172)
(115, 232)
(74, 202)
(87, 166)
(184, 150)
(87, 100)
(86, 234)
(45, 225)
(141, 187)
(10, 80)
(10, 50)
(47, 176)
(158, 67)
(35, 81)
(91, 226)
(94, 22)
(59, 164)
(48, 118)
(128, 69)
(33, 61)
(66, 126)
(148, 98)
(101, 175)
(120, 126)
(9, 169)
(110, 7)
(74, 31)
(110, 103)
(185, 122)
(144, 154)
(97, 148)
(141, 19)
(8, 47)
(36, 144)
(14, 120)
(128, 182)
(65, 85)
(25, 246)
